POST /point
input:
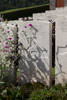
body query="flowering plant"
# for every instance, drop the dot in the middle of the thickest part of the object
(6, 48)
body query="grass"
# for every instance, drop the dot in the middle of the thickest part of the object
(53, 71)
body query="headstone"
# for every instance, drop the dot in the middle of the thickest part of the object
(35, 63)
(61, 50)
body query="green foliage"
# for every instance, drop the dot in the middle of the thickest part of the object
(29, 88)
(15, 93)
(53, 72)
(54, 93)
(19, 92)
(34, 91)
(23, 12)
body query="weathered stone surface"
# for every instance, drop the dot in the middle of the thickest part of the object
(36, 61)
(54, 14)
(52, 4)
(61, 50)
(40, 16)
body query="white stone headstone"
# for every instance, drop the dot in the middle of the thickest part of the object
(61, 50)
(35, 63)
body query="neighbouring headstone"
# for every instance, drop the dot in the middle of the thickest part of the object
(54, 14)
(61, 50)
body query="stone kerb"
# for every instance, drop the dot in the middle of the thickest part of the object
(61, 50)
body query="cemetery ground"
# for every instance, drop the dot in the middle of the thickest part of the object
(36, 91)
(33, 91)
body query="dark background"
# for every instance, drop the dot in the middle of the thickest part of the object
(11, 4)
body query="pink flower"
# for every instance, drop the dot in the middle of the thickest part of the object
(29, 24)
(8, 31)
(25, 26)
(6, 42)
(22, 31)
(6, 47)
(5, 50)
(10, 38)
